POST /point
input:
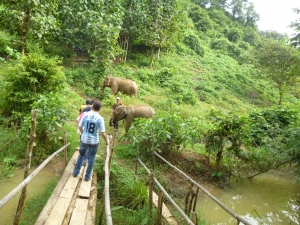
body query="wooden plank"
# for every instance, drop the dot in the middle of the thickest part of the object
(91, 211)
(70, 186)
(60, 208)
(79, 212)
(58, 212)
(55, 194)
(85, 187)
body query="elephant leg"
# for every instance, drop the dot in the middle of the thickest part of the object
(114, 90)
(128, 124)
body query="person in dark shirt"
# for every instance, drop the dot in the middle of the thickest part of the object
(116, 123)
(89, 107)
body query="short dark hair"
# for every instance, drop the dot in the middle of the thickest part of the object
(87, 101)
(97, 106)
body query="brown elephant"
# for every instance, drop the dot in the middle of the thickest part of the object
(122, 85)
(130, 112)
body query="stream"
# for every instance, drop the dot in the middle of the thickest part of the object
(269, 198)
(35, 187)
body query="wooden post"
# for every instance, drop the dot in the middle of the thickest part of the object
(150, 203)
(152, 150)
(195, 200)
(187, 200)
(195, 218)
(192, 195)
(159, 207)
(27, 163)
(66, 149)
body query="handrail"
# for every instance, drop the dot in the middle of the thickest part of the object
(25, 182)
(106, 188)
(241, 219)
(187, 219)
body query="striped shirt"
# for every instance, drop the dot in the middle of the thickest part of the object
(91, 122)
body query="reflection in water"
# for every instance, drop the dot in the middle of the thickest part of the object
(266, 199)
(35, 187)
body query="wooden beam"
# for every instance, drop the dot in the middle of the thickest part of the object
(56, 193)
(79, 212)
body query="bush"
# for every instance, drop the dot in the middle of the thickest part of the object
(269, 124)
(51, 118)
(25, 81)
(168, 133)
(194, 43)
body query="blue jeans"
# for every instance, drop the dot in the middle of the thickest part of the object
(92, 149)
(86, 157)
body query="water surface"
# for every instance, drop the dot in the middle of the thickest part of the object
(35, 187)
(269, 198)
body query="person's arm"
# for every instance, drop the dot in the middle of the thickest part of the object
(105, 137)
(81, 129)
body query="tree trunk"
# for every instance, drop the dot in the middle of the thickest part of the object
(26, 172)
(280, 89)
(218, 159)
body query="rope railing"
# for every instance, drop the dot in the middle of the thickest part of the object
(25, 182)
(238, 217)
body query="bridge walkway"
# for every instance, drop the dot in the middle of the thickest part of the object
(73, 201)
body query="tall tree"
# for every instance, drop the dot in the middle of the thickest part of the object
(93, 25)
(131, 27)
(163, 23)
(296, 26)
(29, 19)
(280, 63)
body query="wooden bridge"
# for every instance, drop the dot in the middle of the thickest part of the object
(73, 201)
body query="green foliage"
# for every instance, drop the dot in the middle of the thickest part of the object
(168, 133)
(194, 43)
(270, 123)
(182, 49)
(35, 205)
(87, 80)
(29, 20)
(200, 17)
(6, 171)
(251, 36)
(234, 34)
(280, 63)
(25, 81)
(226, 48)
(51, 118)
(133, 193)
(227, 134)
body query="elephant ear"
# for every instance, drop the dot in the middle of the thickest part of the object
(123, 111)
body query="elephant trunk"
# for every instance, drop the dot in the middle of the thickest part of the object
(102, 89)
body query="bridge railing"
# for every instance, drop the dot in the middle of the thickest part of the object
(233, 214)
(106, 203)
(25, 182)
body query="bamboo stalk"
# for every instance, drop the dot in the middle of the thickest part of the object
(194, 218)
(195, 199)
(27, 168)
(106, 189)
(150, 192)
(159, 207)
(66, 149)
